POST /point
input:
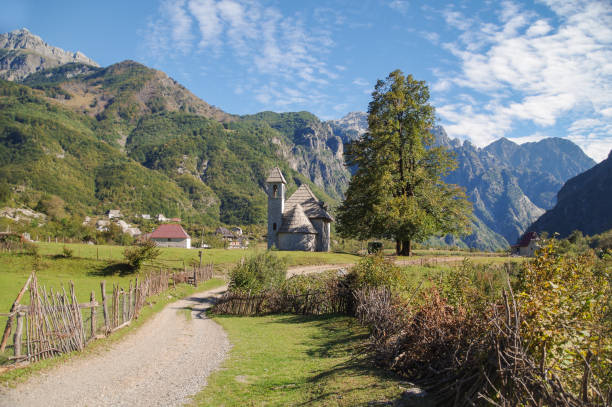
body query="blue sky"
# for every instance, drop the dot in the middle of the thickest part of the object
(512, 69)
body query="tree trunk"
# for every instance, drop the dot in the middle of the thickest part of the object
(406, 248)
(398, 247)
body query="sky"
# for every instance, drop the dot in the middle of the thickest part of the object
(520, 70)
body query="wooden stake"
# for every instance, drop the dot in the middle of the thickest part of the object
(18, 333)
(92, 298)
(105, 306)
(9, 323)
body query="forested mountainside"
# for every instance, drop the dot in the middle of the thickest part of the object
(583, 204)
(179, 163)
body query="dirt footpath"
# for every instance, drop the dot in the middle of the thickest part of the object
(316, 269)
(160, 364)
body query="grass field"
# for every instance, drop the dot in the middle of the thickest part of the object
(295, 360)
(174, 257)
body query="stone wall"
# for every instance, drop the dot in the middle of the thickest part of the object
(185, 243)
(323, 234)
(297, 241)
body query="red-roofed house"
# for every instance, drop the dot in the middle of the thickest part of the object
(171, 235)
(527, 245)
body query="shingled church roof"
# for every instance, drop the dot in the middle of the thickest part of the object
(313, 208)
(296, 221)
(276, 176)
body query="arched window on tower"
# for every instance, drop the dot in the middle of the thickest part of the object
(274, 191)
(274, 226)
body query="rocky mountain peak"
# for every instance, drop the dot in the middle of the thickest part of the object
(351, 126)
(23, 53)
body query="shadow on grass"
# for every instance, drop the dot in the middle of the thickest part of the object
(342, 337)
(112, 269)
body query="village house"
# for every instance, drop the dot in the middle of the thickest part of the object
(233, 237)
(161, 218)
(102, 225)
(299, 223)
(527, 245)
(171, 235)
(114, 214)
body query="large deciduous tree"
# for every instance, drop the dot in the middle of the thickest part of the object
(397, 191)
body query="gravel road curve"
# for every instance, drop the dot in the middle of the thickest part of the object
(162, 363)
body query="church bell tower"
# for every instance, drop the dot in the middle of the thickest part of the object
(276, 185)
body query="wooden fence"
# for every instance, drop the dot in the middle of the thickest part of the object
(315, 302)
(54, 322)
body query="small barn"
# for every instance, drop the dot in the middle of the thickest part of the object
(527, 245)
(171, 235)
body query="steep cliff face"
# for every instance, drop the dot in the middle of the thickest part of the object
(311, 147)
(512, 185)
(350, 127)
(584, 203)
(23, 53)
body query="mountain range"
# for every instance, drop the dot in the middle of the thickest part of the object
(131, 137)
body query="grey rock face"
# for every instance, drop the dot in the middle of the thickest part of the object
(512, 185)
(350, 127)
(23, 53)
(312, 148)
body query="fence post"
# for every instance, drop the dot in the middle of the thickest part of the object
(93, 315)
(104, 306)
(9, 322)
(18, 334)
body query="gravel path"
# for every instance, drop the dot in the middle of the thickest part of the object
(315, 269)
(162, 363)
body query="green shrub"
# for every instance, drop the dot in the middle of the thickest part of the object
(259, 272)
(566, 304)
(473, 286)
(135, 256)
(376, 271)
(30, 248)
(67, 252)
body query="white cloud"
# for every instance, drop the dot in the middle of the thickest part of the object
(208, 21)
(537, 136)
(272, 46)
(361, 82)
(530, 71)
(400, 6)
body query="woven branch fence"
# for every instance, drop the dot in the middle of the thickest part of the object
(54, 322)
(315, 302)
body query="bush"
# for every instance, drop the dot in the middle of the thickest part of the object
(135, 256)
(67, 252)
(258, 273)
(474, 286)
(566, 305)
(376, 271)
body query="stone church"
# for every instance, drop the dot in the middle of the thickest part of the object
(300, 222)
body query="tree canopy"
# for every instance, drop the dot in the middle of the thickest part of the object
(397, 191)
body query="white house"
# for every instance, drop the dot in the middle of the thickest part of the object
(171, 235)
(114, 213)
